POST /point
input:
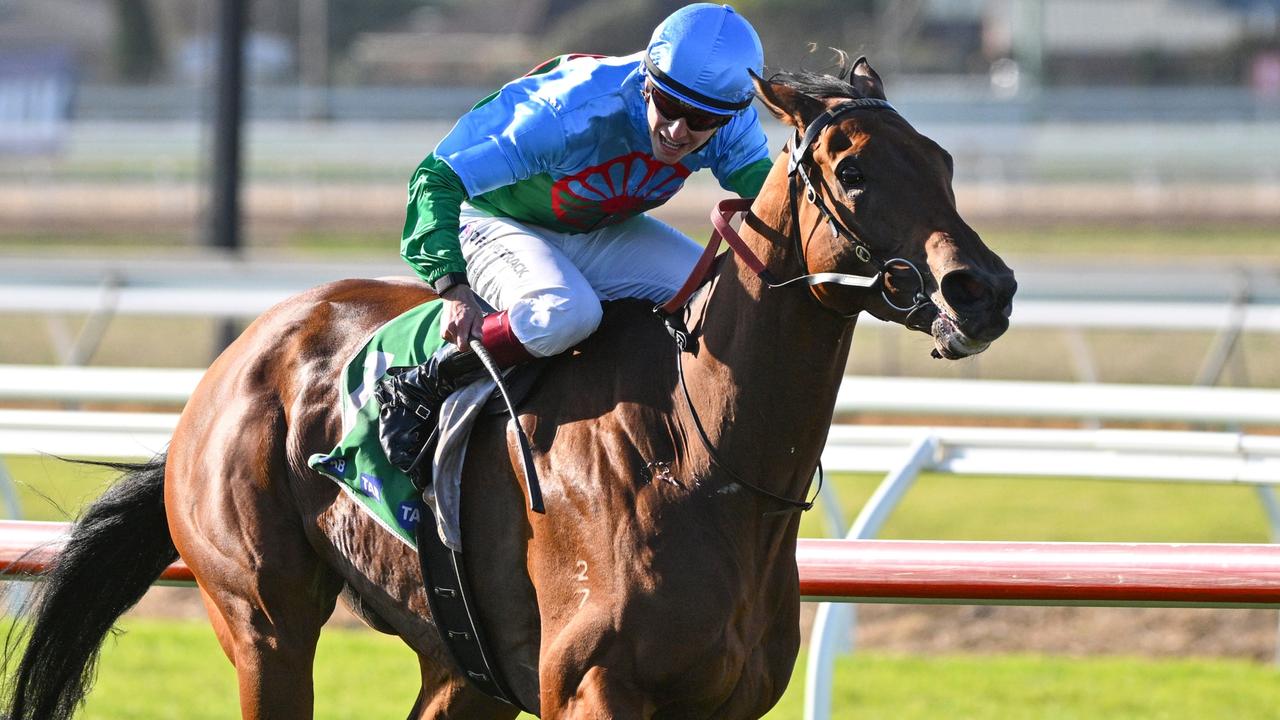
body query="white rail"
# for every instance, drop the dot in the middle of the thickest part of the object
(1225, 457)
(84, 434)
(221, 301)
(1061, 401)
(36, 383)
(878, 395)
(906, 452)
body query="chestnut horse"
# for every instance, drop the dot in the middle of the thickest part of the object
(661, 582)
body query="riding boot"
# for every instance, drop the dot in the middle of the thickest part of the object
(410, 397)
(409, 401)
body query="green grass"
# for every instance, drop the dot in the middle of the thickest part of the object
(1171, 358)
(960, 507)
(170, 670)
(1153, 240)
(175, 670)
(871, 686)
(127, 342)
(53, 489)
(944, 507)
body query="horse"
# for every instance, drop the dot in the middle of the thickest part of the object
(661, 581)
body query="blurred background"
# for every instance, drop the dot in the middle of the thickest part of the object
(1109, 149)
(1122, 155)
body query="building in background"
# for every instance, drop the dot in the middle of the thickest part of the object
(481, 42)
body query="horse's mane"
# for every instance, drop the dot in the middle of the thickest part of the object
(823, 85)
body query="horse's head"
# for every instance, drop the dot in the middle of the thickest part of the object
(868, 193)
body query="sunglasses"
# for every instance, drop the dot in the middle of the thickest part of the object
(672, 110)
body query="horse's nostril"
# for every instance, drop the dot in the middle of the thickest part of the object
(964, 290)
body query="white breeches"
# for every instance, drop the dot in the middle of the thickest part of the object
(551, 284)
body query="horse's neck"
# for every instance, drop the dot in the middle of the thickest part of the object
(768, 367)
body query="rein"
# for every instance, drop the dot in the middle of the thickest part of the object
(724, 232)
(792, 505)
(720, 215)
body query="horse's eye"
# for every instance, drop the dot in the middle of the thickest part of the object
(849, 174)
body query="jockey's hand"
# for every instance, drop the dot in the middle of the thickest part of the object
(462, 316)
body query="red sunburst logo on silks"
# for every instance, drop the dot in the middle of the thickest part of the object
(615, 190)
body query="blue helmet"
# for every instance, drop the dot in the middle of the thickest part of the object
(701, 55)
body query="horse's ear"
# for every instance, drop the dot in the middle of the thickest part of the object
(866, 79)
(787, 103)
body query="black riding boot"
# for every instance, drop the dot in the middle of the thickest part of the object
(409, 405)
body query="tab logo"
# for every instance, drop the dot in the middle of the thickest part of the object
(371, 486)
(408, 515)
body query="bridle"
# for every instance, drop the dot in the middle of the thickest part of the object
(800, 148)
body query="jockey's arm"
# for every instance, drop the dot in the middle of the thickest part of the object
(747, 181)
(508, 138)
(430, 239)
(430, 245)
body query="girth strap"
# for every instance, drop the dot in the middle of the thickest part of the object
(450, 598)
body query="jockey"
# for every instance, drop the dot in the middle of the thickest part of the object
(535, 200)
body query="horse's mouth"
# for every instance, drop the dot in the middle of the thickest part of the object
(950, 342)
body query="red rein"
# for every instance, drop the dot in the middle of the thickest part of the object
(720, 215)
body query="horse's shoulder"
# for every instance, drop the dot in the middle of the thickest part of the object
(634, 320)
(623, 376)
(631, 345)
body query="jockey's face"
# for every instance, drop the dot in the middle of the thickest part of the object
(672, 139)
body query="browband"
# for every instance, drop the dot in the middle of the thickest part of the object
(800, 147)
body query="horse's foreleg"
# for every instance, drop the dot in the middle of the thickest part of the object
(444, 696)
(583, 675)
(601, 696)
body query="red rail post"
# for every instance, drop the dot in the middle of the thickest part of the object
(1211, 575)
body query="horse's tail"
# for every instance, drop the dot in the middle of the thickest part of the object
(115, 551)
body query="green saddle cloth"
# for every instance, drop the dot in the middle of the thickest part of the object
(358, 464)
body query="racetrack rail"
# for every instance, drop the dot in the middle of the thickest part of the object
(945, 572)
